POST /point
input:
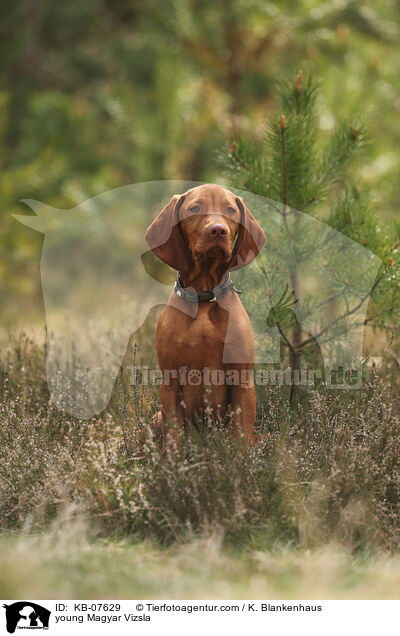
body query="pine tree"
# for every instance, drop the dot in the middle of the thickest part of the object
(295, 171)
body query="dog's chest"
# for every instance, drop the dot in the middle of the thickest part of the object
(201, 337)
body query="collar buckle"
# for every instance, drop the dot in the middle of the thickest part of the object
(207, 296)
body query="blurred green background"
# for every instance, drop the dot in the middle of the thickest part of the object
(103, 93)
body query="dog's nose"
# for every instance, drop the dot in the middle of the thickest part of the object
(217, 230)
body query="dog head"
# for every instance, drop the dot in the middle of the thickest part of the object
(205, 224)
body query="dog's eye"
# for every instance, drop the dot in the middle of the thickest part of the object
(231, 210)
(195, 208)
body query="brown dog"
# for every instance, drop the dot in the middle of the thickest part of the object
(205, 341)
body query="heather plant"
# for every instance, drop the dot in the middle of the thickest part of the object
(327, 472)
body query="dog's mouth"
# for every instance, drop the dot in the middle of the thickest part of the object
(220, 250)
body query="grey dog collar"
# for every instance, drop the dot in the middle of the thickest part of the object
(208, 296)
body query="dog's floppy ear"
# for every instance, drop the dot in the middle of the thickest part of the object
(165, 239)
(250, 240)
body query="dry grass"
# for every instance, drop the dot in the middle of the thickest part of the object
(299, 516)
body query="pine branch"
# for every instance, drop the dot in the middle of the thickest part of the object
(348, 313)
(345, 142)
(277, 322)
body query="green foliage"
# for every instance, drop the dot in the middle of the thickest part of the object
(101, 94)
(281, 311)
(292, 167)
(289, 165)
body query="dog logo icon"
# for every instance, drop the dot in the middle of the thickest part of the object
(26, 615)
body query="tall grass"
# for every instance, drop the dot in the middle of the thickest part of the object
(326, 471)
